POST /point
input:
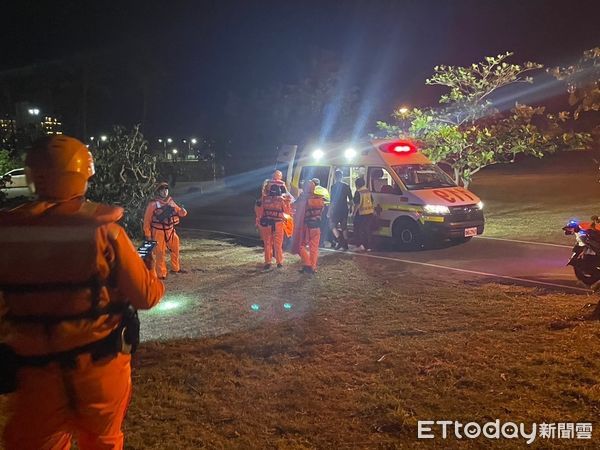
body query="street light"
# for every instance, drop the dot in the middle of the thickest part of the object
(34, 111)
(103, 138)
(169, 140)
(194, 141)
(403, 110)
(160, 140)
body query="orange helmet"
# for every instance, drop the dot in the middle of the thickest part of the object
(59, 167)
(277, 175)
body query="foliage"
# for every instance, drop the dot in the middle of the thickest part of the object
(8, 161)
(468, 133)
(583, 81)
(125, 175)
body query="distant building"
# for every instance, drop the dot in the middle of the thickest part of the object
(51, 125)
(7, 131)
(7, 126)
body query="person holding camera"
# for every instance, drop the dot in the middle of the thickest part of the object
(70, 282)
(161, 217)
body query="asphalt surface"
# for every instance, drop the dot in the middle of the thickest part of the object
(518, 262)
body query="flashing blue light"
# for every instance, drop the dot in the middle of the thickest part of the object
(287, 306)
(255, 307)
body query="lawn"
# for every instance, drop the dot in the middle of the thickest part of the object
(363, 352)
(533, 199)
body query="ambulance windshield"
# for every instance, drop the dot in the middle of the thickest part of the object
(423, 176)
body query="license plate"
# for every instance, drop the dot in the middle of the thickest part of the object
(470, 232)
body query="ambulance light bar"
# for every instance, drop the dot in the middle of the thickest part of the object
(398, 147)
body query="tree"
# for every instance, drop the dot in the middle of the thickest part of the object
(125, 175)
(8, 160)
(583, 81)
(468, 133)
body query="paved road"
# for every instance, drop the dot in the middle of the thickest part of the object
(511, 260)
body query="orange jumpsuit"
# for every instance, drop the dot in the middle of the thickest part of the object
(311, 231)
(57, 245)
(271, 226)
(162, 230)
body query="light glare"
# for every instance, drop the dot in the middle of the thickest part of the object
(318, 154)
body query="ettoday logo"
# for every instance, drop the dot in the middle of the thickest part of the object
(430, 429)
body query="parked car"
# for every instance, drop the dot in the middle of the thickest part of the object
(17, 186)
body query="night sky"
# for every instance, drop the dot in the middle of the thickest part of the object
(208, 51)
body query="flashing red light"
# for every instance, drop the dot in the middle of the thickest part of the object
(402, 148)
(399, 147)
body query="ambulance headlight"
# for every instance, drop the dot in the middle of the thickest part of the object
(480, 205)
(436, 209)
(317, 154)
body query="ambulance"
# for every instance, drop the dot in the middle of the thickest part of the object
(415, 200)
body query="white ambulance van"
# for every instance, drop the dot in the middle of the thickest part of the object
(414, 198)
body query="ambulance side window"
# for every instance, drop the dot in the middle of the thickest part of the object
(320, 172)
(351, 173)
(381, 182)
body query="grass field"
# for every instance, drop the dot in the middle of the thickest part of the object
(534, 199)
(364, 350)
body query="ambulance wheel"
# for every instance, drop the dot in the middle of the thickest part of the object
(407, 234)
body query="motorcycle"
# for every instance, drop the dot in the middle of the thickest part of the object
(586, 252)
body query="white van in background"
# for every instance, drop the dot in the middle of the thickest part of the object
(414, 198)
(17, 186)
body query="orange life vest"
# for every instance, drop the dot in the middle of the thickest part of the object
(55, 291)
(161, 218)
(279, 183)
(314, 209)
(273, 208)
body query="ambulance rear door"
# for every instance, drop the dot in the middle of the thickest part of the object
(285, 161)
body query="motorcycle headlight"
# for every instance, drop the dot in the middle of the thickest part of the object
(436, 209)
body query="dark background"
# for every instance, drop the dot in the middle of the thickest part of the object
(215, 68)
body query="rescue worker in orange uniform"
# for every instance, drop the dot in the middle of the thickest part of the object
(161, 217)
(277, 180)
(69, 276)
(274, 207)
(308, 227)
